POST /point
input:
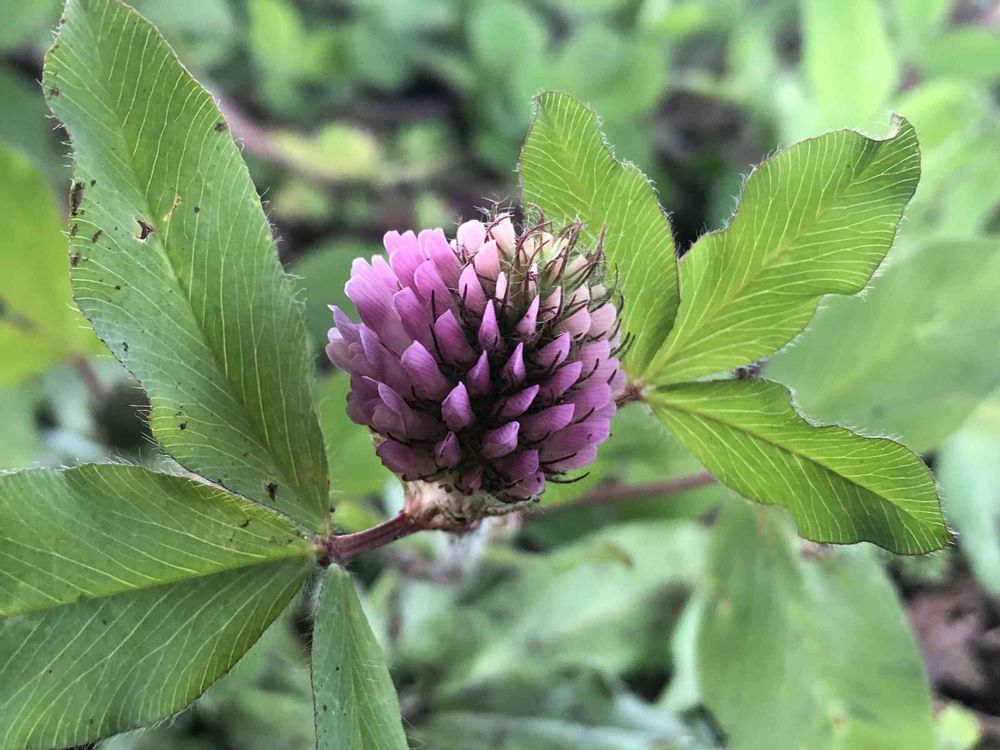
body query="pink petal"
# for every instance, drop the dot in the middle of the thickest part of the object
(404, 461)
(578, 460)
(517, 404)
(426, 377)
(501, 441)
(602, 320)
(433, 291)
(517, 466)
(554, 353)
(471, 479)
(503, 232)
(514, 371)
(456, 409)
(435, 246)
(478, 377)
(487, 261)
(404, 255)
(541, 424)
(530, 486)
(448, 452)
(471, 235)
(562, 379)
(470, 291)
(415, 316)
(489, 331)
(526, 325)
(451, 339)
(589, 399)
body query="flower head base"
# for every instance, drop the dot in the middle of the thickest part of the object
(487, 365)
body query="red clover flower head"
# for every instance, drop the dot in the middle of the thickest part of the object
(487, 364)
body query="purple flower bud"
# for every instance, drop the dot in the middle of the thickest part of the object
(486, 364)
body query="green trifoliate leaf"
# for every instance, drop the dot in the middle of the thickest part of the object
(807, 653)
(840, 487)
(570, 173)
(39, 326)
(125, 594)
(915, 355)
(816, 219)
(354, 698)
(174, 264)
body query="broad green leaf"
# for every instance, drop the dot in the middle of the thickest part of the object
(530, 708)
(175, 266)
(849, 66)
(478, 730)
(816, 219)
(23, 353)
(25, 22)
(569, 171)
(969, 471)
(958, 190)
(354, 698)
(807, 652)
(567, 609)
(840, 487)
(918, 21)
(125, 593)
(39, 326)
(914, 356)
(18, 433)
(971, 52)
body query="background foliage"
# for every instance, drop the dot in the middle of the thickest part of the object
(685, 620)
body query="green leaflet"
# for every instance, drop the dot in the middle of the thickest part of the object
(848, 61)
(969, 472)
(816, 219)
(38, 325)
(354, 698)
(124, 594)
(915, 355)
(840, 487)
(806, 653)
(569, 171)
(174, 264)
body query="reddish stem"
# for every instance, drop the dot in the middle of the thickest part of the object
(340, 548)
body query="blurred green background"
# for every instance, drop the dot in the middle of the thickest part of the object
(578, 628)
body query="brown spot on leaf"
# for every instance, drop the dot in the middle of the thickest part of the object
(272, 490)
(173, 207)
(75, 198)
(221, 126)
(74, 259)
(145, 229)
(97, 236)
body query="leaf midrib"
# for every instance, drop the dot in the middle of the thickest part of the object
(84, 14)
(303, 552)
(746, 431)
(680, 344)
